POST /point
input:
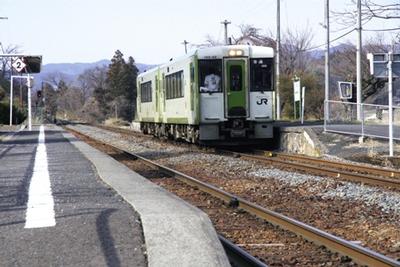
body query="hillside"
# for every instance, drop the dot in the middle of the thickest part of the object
(71, 71)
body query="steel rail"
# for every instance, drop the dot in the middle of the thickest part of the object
(238, 256)
(357, 253)
(392, 173)
(388, 178)
(319, 170)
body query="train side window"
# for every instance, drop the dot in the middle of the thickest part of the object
(145, 92)
(191, 72)
(174, 87)
(261, 73)
(182, 85)
(210, 75)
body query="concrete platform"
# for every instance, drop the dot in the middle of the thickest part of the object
(311, 139)
(300, 140)
(176, 233)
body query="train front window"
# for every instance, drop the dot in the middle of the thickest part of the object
(210, 75)
(261, 74)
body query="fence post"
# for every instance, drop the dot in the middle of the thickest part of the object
(390, 89)
(362, 123)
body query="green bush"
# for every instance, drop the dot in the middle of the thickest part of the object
(18, 115)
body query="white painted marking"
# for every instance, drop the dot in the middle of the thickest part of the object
(40, 211)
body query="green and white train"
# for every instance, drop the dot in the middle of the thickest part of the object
(221, 94)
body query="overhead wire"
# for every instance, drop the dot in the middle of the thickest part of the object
(381, 30)
(341, 36)
(337, 38)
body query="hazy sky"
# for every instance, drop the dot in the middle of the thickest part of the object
(150, 30)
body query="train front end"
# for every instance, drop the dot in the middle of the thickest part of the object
(236, 94)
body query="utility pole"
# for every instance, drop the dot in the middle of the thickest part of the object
(278, 49)
(185, 43)
(327, 65)
(225, 22)
(359, 50)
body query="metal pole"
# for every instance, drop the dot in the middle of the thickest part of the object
(327, 65)
(278, 48)
(11, 100)
(359, 50)
(225, 22)
(362, 124)
(20, 96)
(185, 44)
(29, 104)
(302, 103)
(390, 89)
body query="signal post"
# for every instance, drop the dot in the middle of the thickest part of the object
(24, 64)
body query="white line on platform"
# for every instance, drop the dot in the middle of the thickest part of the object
(40, 211)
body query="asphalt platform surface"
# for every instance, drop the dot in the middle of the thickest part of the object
(94, 226)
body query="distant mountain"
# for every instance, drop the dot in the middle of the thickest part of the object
(319, 53)
(71, 71)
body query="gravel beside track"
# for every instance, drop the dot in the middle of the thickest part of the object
(365, 214)
(270, 244)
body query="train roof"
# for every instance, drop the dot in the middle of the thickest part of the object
(219, 52)
(223, 51)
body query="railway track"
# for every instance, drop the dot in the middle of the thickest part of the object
(321, 167)
(358, 253)
(362, 169)
(352, 172)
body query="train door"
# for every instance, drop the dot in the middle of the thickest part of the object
(236, 87)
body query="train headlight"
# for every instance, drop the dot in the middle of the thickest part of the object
(235, 53)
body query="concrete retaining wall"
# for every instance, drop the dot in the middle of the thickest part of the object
(301, 140)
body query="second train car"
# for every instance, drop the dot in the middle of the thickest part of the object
(221, 94)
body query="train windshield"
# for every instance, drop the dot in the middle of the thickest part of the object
(210, 75)
(261, 74)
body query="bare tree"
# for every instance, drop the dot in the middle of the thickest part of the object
(89, 80)
(253, 36)
(6, 61)
(56, 78)
(386, 11)
(92, 84)
(376, 44)
(370, 10)
(294, 47)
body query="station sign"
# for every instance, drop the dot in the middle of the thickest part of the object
(28, 64)
(19, 65)
(378, 64)
(296, 90)
(345, 90)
